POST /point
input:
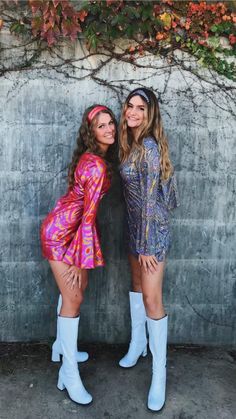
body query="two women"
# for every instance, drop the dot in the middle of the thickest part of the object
(71, 244)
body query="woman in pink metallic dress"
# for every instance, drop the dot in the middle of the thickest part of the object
(70, 240)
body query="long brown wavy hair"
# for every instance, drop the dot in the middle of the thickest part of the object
(152, 126)
(86, 142)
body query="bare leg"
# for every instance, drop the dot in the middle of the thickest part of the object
(152, 291)
(71, 298)
(150, 284)
(135, 273)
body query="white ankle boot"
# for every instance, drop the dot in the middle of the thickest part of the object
(56, 347)
(157, 343)
(138, 344)
(69, 377)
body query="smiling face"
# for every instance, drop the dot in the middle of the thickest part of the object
(136, 113)
(104, 131)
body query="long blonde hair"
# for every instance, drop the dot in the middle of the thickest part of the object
(152, 126)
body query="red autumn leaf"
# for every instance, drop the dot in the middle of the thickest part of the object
(156, 9)
(232, 39)
(50, 37)
(51, 20)
(169, 2)
(140, 50)
(66, 27)
(82, 15)
(46, 27)
(45, 9)
(35, 5)
(55, 2)
(68, 11)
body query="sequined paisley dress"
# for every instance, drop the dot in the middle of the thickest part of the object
(69, 232)
(148, 201)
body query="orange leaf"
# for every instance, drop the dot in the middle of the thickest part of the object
(1, 23)
(159, 36)
(187, 25)
(82, 15)
(233, 15)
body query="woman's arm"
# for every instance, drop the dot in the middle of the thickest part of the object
(84, 250)
(149, 173)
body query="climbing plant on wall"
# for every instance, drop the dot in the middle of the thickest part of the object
(205, 29)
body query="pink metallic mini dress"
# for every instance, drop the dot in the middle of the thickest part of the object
(69, 232)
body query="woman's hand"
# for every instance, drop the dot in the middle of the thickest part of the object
(72, 276)
(149, 263)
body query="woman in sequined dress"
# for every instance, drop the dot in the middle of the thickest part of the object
(70, 240)
(150, 192)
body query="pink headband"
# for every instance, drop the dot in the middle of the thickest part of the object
(94, 112)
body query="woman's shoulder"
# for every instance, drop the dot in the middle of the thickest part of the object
(150, 144)
(92, 162)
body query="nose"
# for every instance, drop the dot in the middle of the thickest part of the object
(109, 128)
(132, 111)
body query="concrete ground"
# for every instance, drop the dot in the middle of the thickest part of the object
(201, 384)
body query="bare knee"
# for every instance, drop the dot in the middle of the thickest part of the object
(153, 305)
(71, 304)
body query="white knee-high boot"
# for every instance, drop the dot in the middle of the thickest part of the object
(158, 344)
(56, 347)
(69, 376)
(138, 343)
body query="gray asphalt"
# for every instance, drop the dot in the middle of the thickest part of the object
(201, 384)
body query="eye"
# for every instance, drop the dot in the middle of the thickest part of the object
(141, 108)
(130, 105)
(111, 122)
(101, 126)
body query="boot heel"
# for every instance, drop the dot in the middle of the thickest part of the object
(55, 356)
(144, 353)
(60, 384)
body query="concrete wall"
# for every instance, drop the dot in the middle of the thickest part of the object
(40, 112)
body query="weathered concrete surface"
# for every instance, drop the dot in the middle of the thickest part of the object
(201, 385)
(40, 112)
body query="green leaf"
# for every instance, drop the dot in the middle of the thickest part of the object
(214, 28)
(213, 41)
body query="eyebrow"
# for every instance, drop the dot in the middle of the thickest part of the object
(139, 106)
(103, 123)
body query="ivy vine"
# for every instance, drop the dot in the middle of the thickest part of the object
(206, 30)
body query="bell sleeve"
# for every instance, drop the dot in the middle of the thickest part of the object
(85, 250)
(149, 176)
